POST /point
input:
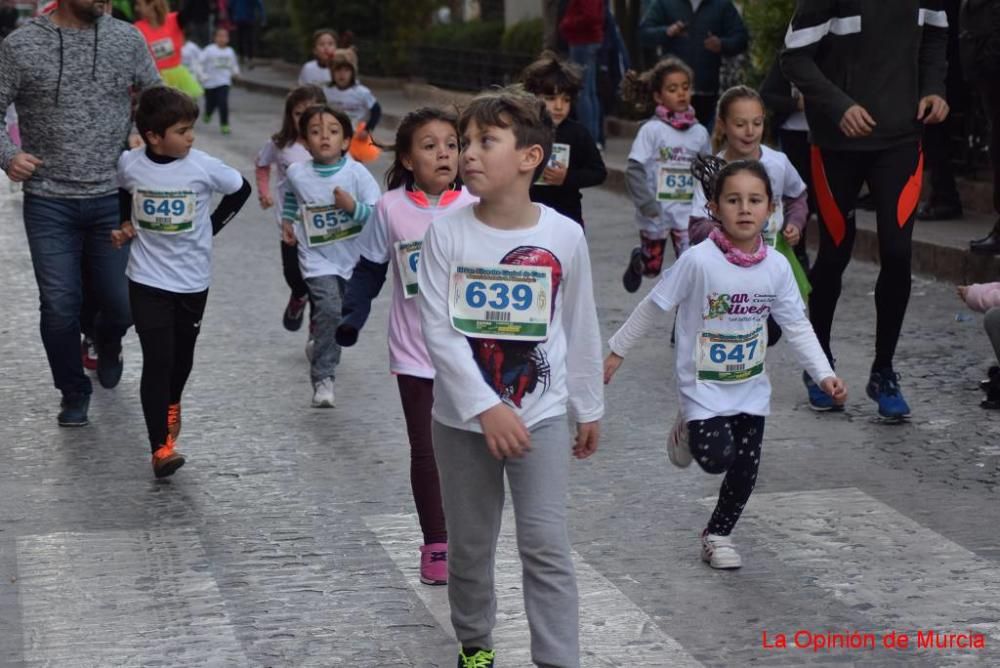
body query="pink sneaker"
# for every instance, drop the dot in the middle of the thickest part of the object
(434, 564)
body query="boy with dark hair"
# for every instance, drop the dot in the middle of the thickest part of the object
(165, 192)
(508, 314)
(575, 163)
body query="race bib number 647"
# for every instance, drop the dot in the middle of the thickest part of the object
(731, 357)
(509, 302)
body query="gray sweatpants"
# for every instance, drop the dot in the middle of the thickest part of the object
(326, 294)
(472, 490)
(992, 324)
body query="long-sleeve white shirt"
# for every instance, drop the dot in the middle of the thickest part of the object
(538, 379)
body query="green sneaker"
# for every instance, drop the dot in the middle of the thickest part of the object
(207, 118)
(474, 657)
(226, 130)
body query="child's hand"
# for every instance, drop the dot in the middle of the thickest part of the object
(962, 290)
(836, 388)
(587, 435)
(266, 201)
(611, 364)
(555, 176)
(506, 435)
(287, 233)
(122, 235)
(792, 235)
(343, 200)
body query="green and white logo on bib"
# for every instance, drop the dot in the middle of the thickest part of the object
(730, 357)
(163, 211)
(407, 261)
(325, 224)
(675, 183)
(508, 302)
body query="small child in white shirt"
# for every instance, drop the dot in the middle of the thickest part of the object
(218, 65)
(316, 72)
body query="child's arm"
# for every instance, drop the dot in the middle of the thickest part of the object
(586, 166)
(638, 189)
(366, 280)
(289, 216)
(374, 116)
(583, 352)
(980, 296)
(262, 175)
(790, 313)
(229, 206)
(126, 232)
(796, 212)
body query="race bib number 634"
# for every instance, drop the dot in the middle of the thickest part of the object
(509, 302)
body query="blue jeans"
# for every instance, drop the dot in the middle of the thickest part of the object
(61, 233)
(588, 107)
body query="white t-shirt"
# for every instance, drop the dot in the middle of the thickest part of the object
(535, 378)
(282, 158)
(218, 66)
(355, 101)
(722, 330)
(170, 212)
(315, 74)
(785, 182)
(666, 155)
(311, 189)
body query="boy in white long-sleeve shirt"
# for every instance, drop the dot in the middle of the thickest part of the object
(218, 66)
(508, 315)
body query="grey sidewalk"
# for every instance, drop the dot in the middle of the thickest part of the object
(940, 249)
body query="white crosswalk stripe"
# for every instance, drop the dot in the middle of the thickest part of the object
(613, 630)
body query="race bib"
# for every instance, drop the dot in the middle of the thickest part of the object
(164, 211)
(222, 63)
(162, 48)
(675, 184)
(560, 157)
(509, 302)
(325, 224)
(731, 357)
(774, 226)
(407, 260)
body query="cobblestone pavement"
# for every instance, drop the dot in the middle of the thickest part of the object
(288, 539)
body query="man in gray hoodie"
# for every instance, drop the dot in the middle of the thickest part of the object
(71, 76)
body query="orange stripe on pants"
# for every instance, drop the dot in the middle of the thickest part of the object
(829, 212)
(910, 196)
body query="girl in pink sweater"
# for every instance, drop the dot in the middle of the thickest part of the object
(985, 298)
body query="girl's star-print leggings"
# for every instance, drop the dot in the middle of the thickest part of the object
(728, 444)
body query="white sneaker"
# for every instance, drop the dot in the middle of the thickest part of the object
(678, 450)
(719, 551)
(310, 344)
(323, 394)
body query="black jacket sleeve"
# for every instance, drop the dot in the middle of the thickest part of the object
(586, 166)
(365, 284)
(124, 205)
(229, 207)
(374, 116)
(777, 94)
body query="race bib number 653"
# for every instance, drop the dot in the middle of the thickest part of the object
(510, 302)
(325, 224)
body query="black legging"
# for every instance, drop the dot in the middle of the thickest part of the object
(292, 272)
(218, 98)
(731, 445)
(167, 324)
(893, 176)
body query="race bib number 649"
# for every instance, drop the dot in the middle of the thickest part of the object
(164, 211)
(509, 302)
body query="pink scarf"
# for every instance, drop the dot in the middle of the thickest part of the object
(735, 255)
(677, 120)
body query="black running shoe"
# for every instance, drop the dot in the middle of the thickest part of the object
(632, 278)
(294, 310)
(73, 410)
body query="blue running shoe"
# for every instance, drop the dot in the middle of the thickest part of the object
(819, 400)
(883, 388)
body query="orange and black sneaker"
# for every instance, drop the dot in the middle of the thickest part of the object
(174, 420)
(166, 460)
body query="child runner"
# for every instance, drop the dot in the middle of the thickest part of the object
(422, 185)
(575, 163)
(218, 65)
(658, 176)
(163, 31)
(286, 148)
(357, 101)
(739, 128)
(191, 58)
(508, 315)
(166, 192)
(329, 200)
(725, 289)
(317, 70)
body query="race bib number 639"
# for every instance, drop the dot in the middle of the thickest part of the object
(509, 302)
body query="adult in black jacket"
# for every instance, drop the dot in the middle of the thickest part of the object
(979, 43)
(872, 75)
